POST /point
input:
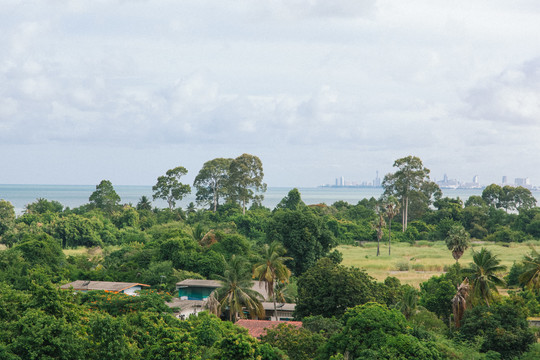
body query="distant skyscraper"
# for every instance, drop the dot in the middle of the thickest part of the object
(504, 179)
(475, 179)
(377, 181)
(342, 182)
(522, 182)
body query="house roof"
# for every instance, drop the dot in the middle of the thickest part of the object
(185, 304)
(257, 328)
(257, 285)
(199, 283)
(100, 285)
(279, 306)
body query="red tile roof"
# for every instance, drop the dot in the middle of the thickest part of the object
(257, 328)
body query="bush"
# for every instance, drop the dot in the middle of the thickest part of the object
(402, 266)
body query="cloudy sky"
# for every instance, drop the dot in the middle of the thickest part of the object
(124, 90)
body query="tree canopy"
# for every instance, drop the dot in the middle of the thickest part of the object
(169, 187)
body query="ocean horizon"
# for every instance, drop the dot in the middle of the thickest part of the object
(76, 195)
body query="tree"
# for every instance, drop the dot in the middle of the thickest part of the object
(457, 240)
(211, 181)
(372, 331)
(105, 198)
(523, 198)
(436, 295)
(392, 209)
(460, 302)
(408, 181)
(272, 269)
(298, 343)
(379, 225)
(169, 188)
(236, 292)
(41, 206)
(144, 203)
(482, 274)
(293, 201)
(304, 234)
(245, 178)
(502, 328)
(7, 217)
(328, 289)
(408, 305)
(492, 195)
(531, 276)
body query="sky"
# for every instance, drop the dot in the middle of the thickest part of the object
(125, 90)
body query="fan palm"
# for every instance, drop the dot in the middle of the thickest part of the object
(272, 269)
(482, 274)
(457, 240)
(531, 276)
(236, 292)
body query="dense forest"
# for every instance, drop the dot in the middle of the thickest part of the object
(229, 236)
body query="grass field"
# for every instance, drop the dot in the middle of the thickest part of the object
(423, 260)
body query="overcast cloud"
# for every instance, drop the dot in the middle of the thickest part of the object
(124, 90)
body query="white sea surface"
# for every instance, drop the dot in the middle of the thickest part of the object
(77, 195)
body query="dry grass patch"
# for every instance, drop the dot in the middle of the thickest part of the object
(425, 259)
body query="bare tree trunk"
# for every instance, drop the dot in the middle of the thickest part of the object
(389, 234)
(275, 306)
(403, 214)
(406, 213)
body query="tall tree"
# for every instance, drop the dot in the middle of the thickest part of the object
(293, 201)
(246, 178)
(169, 187)
(410, 180)
(105, 197)
(211, 181)
(379, 225)
(236, 292)
(7, 217)
(391, 207)
(482, 274)
(272, 269)
(492, 195)
(457, 240)
(144, 203)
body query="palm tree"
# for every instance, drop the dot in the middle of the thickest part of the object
(482, 274)
(272, 269)
(457, 240)
(531, 276)
(392, 209)
(408, 305)
(459, 302)
(236, 291)
(144, 203)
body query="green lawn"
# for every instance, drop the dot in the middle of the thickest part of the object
(424, 259)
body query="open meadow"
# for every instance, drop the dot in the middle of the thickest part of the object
(413, 264)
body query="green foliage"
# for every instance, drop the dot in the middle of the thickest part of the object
(436, 295)
(502, 328)
(483, 275)
(211, 182)
(169, 187)
(245, 178)
(293, 201)
(297, 343)
(117, 303)
(7, 217)
(41, 206)
(304, 235)
(328, 289)
(457, 240)
(374, 331)
(105, 198)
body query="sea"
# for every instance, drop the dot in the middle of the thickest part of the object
(76, 195)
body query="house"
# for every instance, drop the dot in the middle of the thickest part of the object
(110, 286)
(195, 289)
(257, 328)
(284, 311)
(184, 308)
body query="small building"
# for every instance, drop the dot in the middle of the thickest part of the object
(284, 311)
(109, 286)
(184, 308)
(257, 328)
(195, 289)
